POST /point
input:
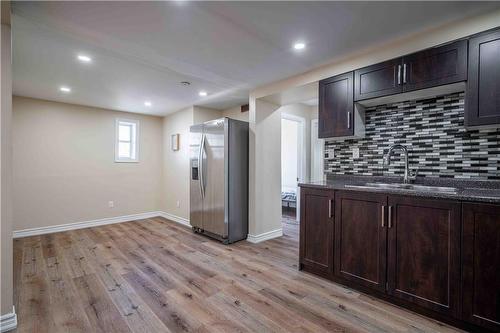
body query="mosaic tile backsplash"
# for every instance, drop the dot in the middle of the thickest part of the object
(434, 132)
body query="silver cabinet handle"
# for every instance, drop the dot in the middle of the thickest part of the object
(383, 216)
(404, 73)
(399, 74)
(329, 208)
(348, 119)
(389, 223)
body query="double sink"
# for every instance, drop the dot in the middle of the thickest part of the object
(404, 187)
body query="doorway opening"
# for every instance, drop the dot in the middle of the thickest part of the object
(292, 164)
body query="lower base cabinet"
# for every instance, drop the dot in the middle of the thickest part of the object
(316, 236)
(481, 265)
(437, 257)
(424, 253)
(360, 238)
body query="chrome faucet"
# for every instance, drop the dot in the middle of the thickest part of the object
(408, 176)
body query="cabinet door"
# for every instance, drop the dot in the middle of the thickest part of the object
(378, 80)
(336, 106)
(360, 238)
(316, 231)
(424, 253)
(483, 85)
(437, 66)
(481, 265)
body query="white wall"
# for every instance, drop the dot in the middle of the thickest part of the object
(64, 168)
(307, 113)
(317, 150)
(289, 154)
(264, 169)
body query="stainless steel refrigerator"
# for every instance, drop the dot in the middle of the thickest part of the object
(219, 179)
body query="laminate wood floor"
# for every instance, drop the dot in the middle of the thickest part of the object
(157, 276)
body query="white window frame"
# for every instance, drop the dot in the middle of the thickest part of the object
(119, 159)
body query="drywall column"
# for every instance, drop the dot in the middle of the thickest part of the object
(265, 171)
(6, 173)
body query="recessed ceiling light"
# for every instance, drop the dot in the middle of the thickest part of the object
(148, 103)
(299, 46)
(65, 89)
(202, 93)
(84, 58)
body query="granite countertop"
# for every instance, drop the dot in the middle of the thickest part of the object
(467, 190)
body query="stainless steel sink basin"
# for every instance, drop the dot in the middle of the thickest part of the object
(405, 187)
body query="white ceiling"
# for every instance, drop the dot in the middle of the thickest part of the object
(143, 50)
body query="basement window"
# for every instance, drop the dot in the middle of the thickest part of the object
(127, 141)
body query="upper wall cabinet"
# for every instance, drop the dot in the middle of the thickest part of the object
(425, 69)
(378, 80)
(435, 67)
(483, 86)
(336, 106)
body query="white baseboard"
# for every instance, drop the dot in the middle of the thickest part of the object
(96, 223)
(175, 218)
(265, 236)
(8, 321)
(83, 224)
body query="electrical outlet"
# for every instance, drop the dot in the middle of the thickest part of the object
(111, 204)
(178, 203)
(355, 153)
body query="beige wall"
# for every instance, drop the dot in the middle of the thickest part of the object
(64, 168)
(200, 115)
(175, 182)
(6, 170)
(235, 113)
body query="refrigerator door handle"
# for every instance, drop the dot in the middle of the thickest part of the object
(200, 165)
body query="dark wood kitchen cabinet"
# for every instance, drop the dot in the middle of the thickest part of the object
(434, 256)
(336, 106)
(360, 238)
(483, 85)
(429, 68)
(424, 252)
(378, 80)
(435, 66)
(481, 265)
(316, 231)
